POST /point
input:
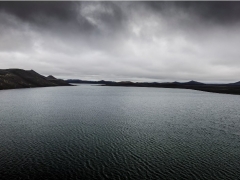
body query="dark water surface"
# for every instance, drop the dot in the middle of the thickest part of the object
(95, 132)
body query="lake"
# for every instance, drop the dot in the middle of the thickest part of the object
(98, 132)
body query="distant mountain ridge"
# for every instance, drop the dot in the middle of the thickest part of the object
(190, 83)
(235, 84)
(19, 78)
(231, 88)
(193, 83)
(78, 81)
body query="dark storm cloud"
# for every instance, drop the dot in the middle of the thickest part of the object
(123, 40)
(217, 12)
(44, 13)
(29, 11)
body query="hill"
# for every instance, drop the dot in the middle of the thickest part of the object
(19, 78)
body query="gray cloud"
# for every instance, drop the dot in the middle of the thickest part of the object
(144, 41)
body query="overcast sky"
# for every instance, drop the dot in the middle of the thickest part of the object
(138, 41)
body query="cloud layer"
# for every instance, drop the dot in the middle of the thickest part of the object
(139, 41)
